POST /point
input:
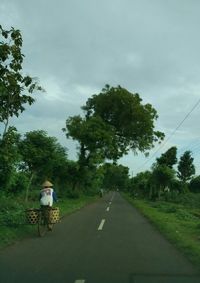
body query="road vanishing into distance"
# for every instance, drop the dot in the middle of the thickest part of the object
(105, 242)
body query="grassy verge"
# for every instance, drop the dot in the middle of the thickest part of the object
(178, 223)
(15, 227)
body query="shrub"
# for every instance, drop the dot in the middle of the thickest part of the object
(194, 185)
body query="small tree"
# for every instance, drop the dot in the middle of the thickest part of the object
(14, 86)
(9, 157)
(195, 185)
(141, 184)
(41, 154)
(186, 167)
(162, 176)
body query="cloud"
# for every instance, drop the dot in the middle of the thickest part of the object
(76, 47)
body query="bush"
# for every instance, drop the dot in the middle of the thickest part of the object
(194, 185)
(185, 215)
(73, 194)
(20, 183)
(11, 211)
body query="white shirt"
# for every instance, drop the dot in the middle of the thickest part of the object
(46, 196)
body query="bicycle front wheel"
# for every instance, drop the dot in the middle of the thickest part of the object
(42, 225)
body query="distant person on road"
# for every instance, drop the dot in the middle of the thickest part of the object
(47, 194)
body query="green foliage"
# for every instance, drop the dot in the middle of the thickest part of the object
(168, 158)
(186, 167)
(177, 223)
(42, 156)
(13, 85)
(41, 153)
(115, 177)
(11, 211)
(95, 139)
(140, 184)
(94, 136)
(72, 194)
(194, 185)
(162, 177)
(115, 121)
(12, 216)
(9, 157)
(132, 122)
(189, 200)
(20, 183)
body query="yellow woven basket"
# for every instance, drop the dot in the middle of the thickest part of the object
(54, 216)
(32, 216)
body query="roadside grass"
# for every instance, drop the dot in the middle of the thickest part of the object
(13, 226)
(178, 223)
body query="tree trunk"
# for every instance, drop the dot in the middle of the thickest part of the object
(28, 187)
(150, 192)
(6, 127)
(159, 192)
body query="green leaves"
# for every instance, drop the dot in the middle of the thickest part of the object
(186, 167)
(168, 158)
(14, 86)
(133, 122)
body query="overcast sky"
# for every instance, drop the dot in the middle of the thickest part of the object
(75, 47)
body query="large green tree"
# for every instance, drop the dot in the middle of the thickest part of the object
(186, 167)
(15, 88)
(115, 121)
(94, 136)
(132, 122)
(95, 140)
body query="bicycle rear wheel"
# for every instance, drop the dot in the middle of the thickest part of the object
(42, 225)
(50, 226)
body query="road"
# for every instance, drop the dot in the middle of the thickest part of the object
(105, 242)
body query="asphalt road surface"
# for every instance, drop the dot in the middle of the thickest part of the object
(105, 242)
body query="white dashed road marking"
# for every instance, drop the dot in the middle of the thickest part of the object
(101, 224)
(80, 281)
(108, 208)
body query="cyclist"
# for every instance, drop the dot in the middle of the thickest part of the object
(47, 194)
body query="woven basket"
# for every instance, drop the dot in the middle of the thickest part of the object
(54, 216)
(32, 216)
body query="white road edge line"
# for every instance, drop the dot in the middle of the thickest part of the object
(108, 208)
(80, 281)
(101, 224)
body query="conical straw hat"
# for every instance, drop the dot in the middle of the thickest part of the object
(47, 184)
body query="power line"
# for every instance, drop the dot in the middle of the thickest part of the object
(191, 147)
(174, 131)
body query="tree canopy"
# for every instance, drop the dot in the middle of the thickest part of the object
(168, 158)
(186, 167)
(115, 121)
(14, 86)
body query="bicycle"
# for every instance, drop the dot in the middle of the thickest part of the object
(44, 217)
(44, 220)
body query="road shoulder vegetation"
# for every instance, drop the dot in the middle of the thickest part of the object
(180, 224)
(13, 224)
